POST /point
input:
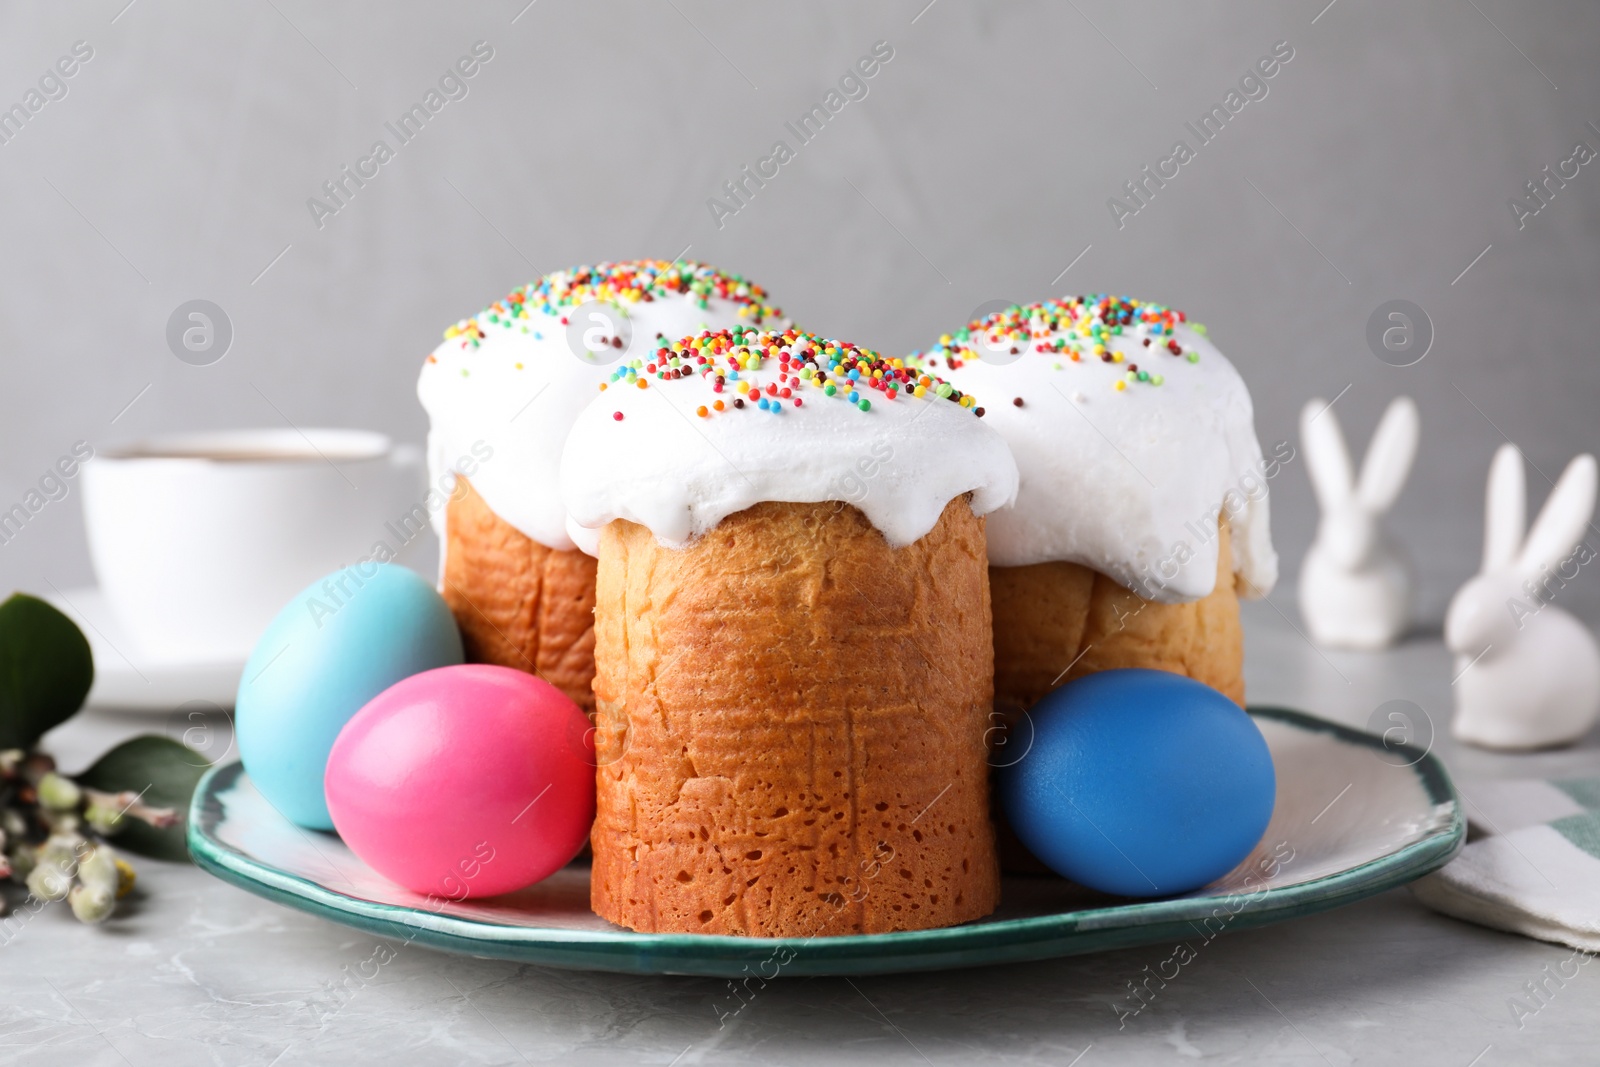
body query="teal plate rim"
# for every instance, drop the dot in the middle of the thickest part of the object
(1019, 940)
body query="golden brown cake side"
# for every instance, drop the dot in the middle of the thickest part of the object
(519, 603)
(1051, 615)
(791, 726)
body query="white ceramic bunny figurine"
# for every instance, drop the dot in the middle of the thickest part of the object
(1528, 673)
(1355, 584)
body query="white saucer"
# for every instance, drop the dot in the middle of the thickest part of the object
(129, 677)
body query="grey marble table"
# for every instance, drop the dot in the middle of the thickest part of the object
(198, 972)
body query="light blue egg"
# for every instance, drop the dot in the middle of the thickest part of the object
(335, 646)
(1139, 783)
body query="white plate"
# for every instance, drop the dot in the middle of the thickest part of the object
(129, 677)
(1355, 815)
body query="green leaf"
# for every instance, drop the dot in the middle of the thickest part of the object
(167, 772)
(45, 670)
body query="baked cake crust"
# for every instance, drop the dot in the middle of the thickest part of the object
(519, 603)
(791, 726)
(1050, 615)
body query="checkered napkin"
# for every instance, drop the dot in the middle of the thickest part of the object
(1536, 871)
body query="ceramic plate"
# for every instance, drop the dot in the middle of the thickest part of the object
(1353, 818)
(132, 678)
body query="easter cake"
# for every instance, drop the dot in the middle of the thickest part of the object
(1141, 516)
(793, 656)
(501, 392)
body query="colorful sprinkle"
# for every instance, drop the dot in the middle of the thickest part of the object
(640, 281)
(1070, 329)
(800, 361)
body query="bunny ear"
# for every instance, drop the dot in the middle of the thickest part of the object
(1332, 476)
(1561, 522)
(1505, 510)
(1389, 456)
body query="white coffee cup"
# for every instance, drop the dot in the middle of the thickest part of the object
(198, 540)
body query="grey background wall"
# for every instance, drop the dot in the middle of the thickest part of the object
(978, 166)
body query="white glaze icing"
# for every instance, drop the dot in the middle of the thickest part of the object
(516, 389)
(678, 473)
(1128, 482)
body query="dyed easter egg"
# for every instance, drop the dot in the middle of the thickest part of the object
(335, 646)
(1140, 783)
(465, 781)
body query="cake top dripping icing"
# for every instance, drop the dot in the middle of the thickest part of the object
(510, 380)
(1134, 436)
(722, 420)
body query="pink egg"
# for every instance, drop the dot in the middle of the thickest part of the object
(464, 781)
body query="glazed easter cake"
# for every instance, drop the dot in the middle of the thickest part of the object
(794, 583)
(501, 392)
(1142, 513)
(792, 642)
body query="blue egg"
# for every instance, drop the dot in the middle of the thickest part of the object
(1140, 783)
(335, 646)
